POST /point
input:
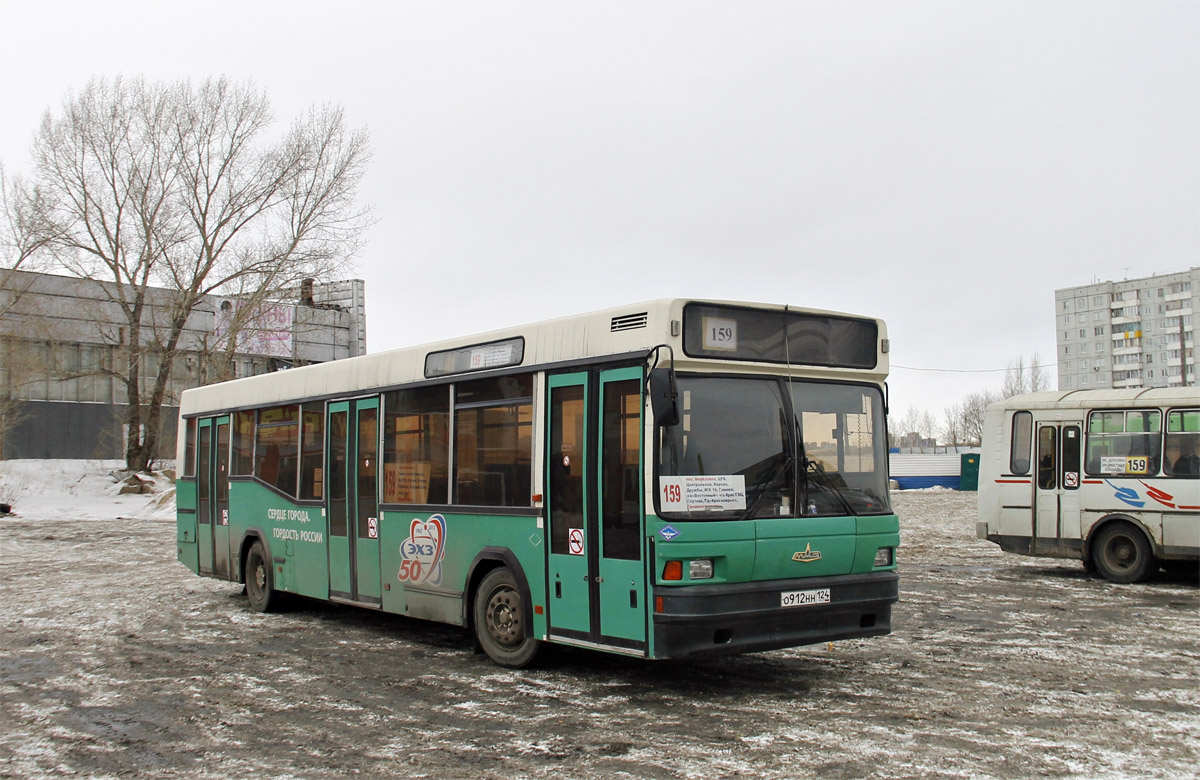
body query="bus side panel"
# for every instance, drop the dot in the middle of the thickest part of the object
(296, 534)
(188, 552)
(1181, 534)
(426, 557)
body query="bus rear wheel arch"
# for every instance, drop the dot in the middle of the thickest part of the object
(499, 619)
(1121, 553)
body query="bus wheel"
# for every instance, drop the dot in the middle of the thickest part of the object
(500, 621)
(1122, 554)
(259, 582)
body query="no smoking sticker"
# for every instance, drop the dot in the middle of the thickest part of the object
(575, 541)
(372, 528)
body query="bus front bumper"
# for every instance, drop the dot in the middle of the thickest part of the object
(748, 617)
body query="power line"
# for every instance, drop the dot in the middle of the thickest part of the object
(972, 370)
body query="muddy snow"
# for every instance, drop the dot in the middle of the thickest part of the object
(115, 661)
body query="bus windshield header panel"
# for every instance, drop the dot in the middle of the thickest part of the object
(733, 333)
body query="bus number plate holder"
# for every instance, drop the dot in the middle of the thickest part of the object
(803, 598)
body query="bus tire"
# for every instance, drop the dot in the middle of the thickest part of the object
(499, 620)
(1122, 554)
(260, 582)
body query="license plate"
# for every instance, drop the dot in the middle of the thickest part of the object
(803, 598)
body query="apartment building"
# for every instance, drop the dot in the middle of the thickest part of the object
(1133, 333)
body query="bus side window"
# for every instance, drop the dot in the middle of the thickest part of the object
(189, 450)
(1022, 439)
(1182, 444)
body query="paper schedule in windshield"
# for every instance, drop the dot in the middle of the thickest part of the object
(712, 493)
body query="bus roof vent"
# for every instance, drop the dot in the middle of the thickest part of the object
(628, 322)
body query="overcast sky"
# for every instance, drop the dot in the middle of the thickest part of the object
(942, 165)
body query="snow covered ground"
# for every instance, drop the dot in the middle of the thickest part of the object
(115, 661)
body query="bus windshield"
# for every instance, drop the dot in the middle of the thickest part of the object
(740, 451)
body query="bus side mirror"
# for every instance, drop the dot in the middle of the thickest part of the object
(664, 397)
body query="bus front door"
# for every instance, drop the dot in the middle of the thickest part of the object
(212, 496)
(352, 506)
(595, 568)
(1056, 494)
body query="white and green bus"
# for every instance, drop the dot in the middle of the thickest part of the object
(675, 478)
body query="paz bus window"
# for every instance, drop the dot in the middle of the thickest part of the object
(1022, 439)
(1183, 444)
(1124, 442)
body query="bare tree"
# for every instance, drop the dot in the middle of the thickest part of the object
(1038, 378)
(24, 233)
(1020, 378)
(972, 414)
(952, 424)
(156, 185)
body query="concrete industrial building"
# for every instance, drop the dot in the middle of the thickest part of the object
(59, 355)
(1134, 333)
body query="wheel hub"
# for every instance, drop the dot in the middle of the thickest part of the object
(504, 619)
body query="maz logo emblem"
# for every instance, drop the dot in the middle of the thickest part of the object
(808, 555)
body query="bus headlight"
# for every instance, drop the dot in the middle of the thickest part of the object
(701, 569)
(883, 556)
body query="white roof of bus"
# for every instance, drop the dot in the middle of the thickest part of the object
(1088, 399)
(550, 341)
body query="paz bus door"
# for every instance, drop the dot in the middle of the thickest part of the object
(1056, 490)
(352, 506)
(212, 496)
(593, 486)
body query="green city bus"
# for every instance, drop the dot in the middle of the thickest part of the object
(670, 479)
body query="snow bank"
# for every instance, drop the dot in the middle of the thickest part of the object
(80, 489)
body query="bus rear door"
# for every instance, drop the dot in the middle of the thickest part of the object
(1056, 494)
(596, 565)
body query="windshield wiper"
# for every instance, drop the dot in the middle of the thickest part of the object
(764, 482)
(815, 466)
